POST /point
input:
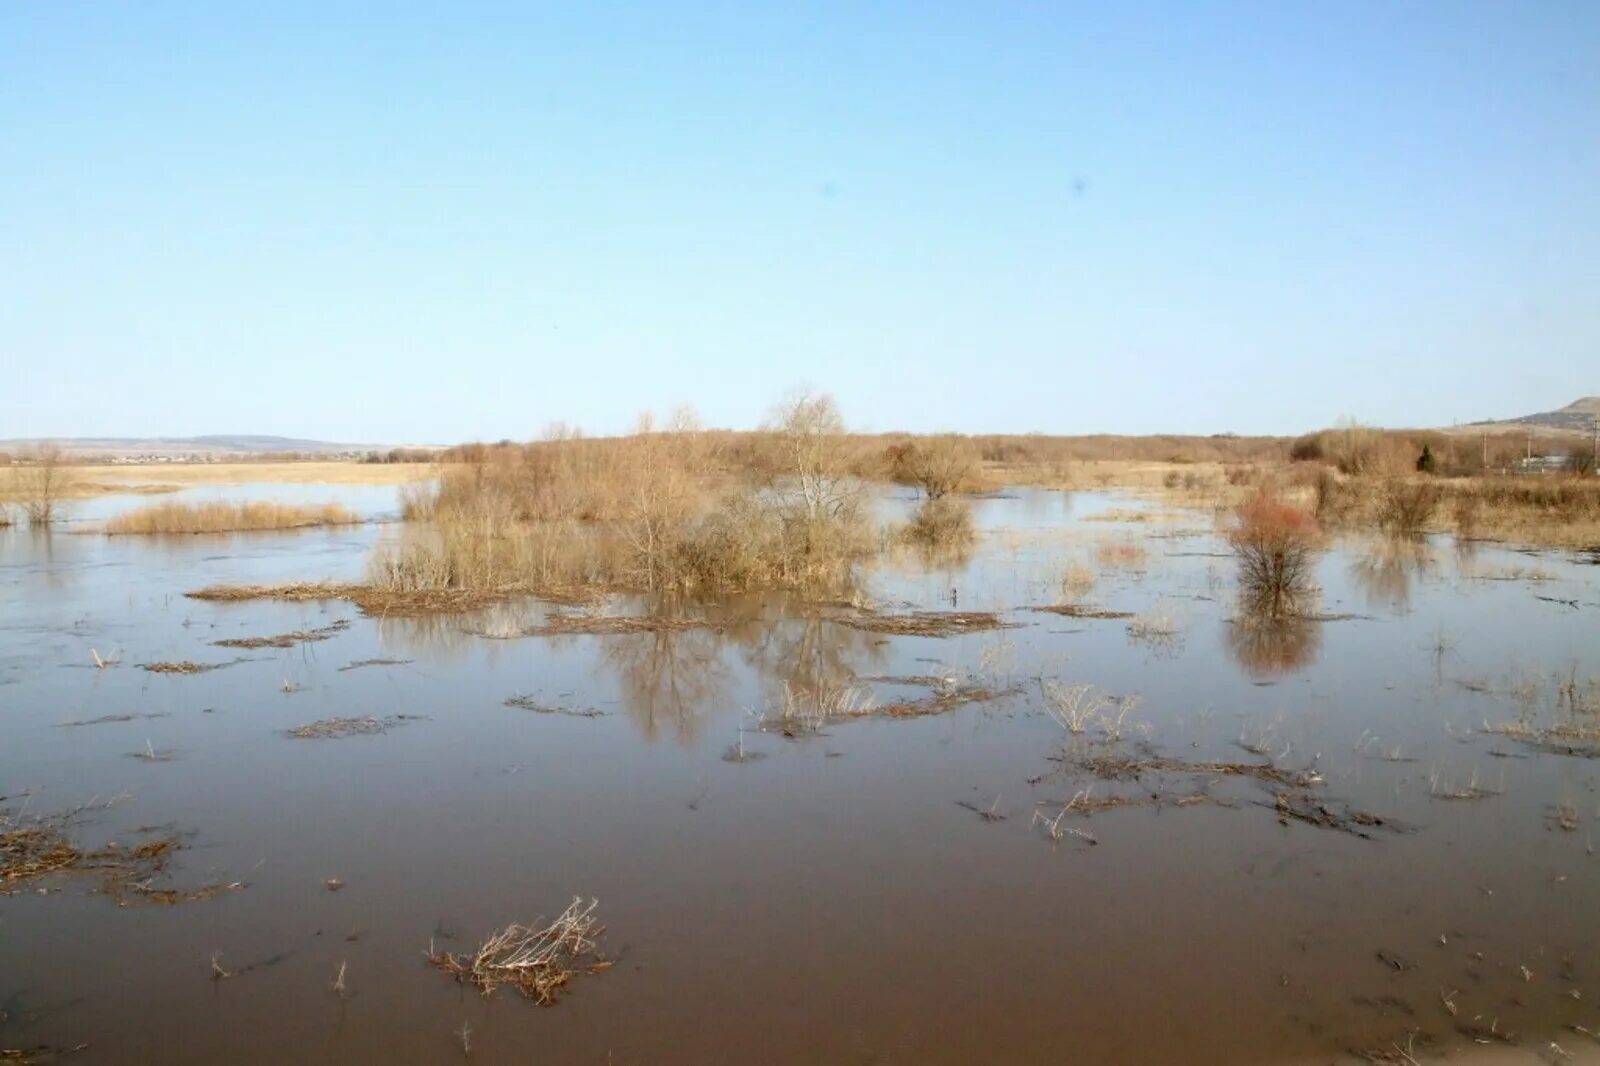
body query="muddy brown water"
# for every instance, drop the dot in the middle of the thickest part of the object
(831, 901)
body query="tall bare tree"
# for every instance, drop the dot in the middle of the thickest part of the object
(40, 483)
(811, 432)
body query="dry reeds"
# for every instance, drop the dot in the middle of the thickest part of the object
(538, 960)
(172, 517)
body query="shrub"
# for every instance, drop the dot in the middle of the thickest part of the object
(1276, 545)
(1406, 507)
(941, 522)
(936, 465)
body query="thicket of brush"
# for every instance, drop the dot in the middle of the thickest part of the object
(665, 511)
(225, 517)
(1556, 510)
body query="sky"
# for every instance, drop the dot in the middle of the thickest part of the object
(434, 222)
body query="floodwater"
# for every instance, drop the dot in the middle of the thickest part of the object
(828, 898)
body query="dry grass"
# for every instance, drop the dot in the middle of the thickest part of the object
(1081, 610)
(1534, 510)
(133, 477)
(293, 592)
(172, 517)
(562, 624)
(286, 640)
(372, 600)
(946, 697)
(32, 849)
(926, 623)
(331, 728)
(183, 666)
(529, 703)
(538, 960)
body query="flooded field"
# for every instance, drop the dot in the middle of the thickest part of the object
(1130, 829)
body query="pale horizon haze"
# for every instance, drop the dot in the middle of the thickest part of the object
(428, 222)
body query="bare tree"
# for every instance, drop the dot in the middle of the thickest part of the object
(811, 432)
(40, 482)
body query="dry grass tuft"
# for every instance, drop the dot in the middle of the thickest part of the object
(539, 961)
(172, 517)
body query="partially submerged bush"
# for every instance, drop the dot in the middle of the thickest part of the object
(1406, 506)
(649, 512)
(941, 522)
(1276, 544)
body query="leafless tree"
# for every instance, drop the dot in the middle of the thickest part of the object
(40, 482)
(811, 432)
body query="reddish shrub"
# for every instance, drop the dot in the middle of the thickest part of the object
(1276, 543)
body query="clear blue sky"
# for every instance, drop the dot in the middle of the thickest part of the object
(432, 222)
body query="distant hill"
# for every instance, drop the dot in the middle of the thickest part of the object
(1577, 417)
(235, 444)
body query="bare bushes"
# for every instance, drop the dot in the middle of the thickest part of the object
(1406, 506)
(651, 511)
(1276, 544)
(40, 483)
(940, 522)
(936, 465)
